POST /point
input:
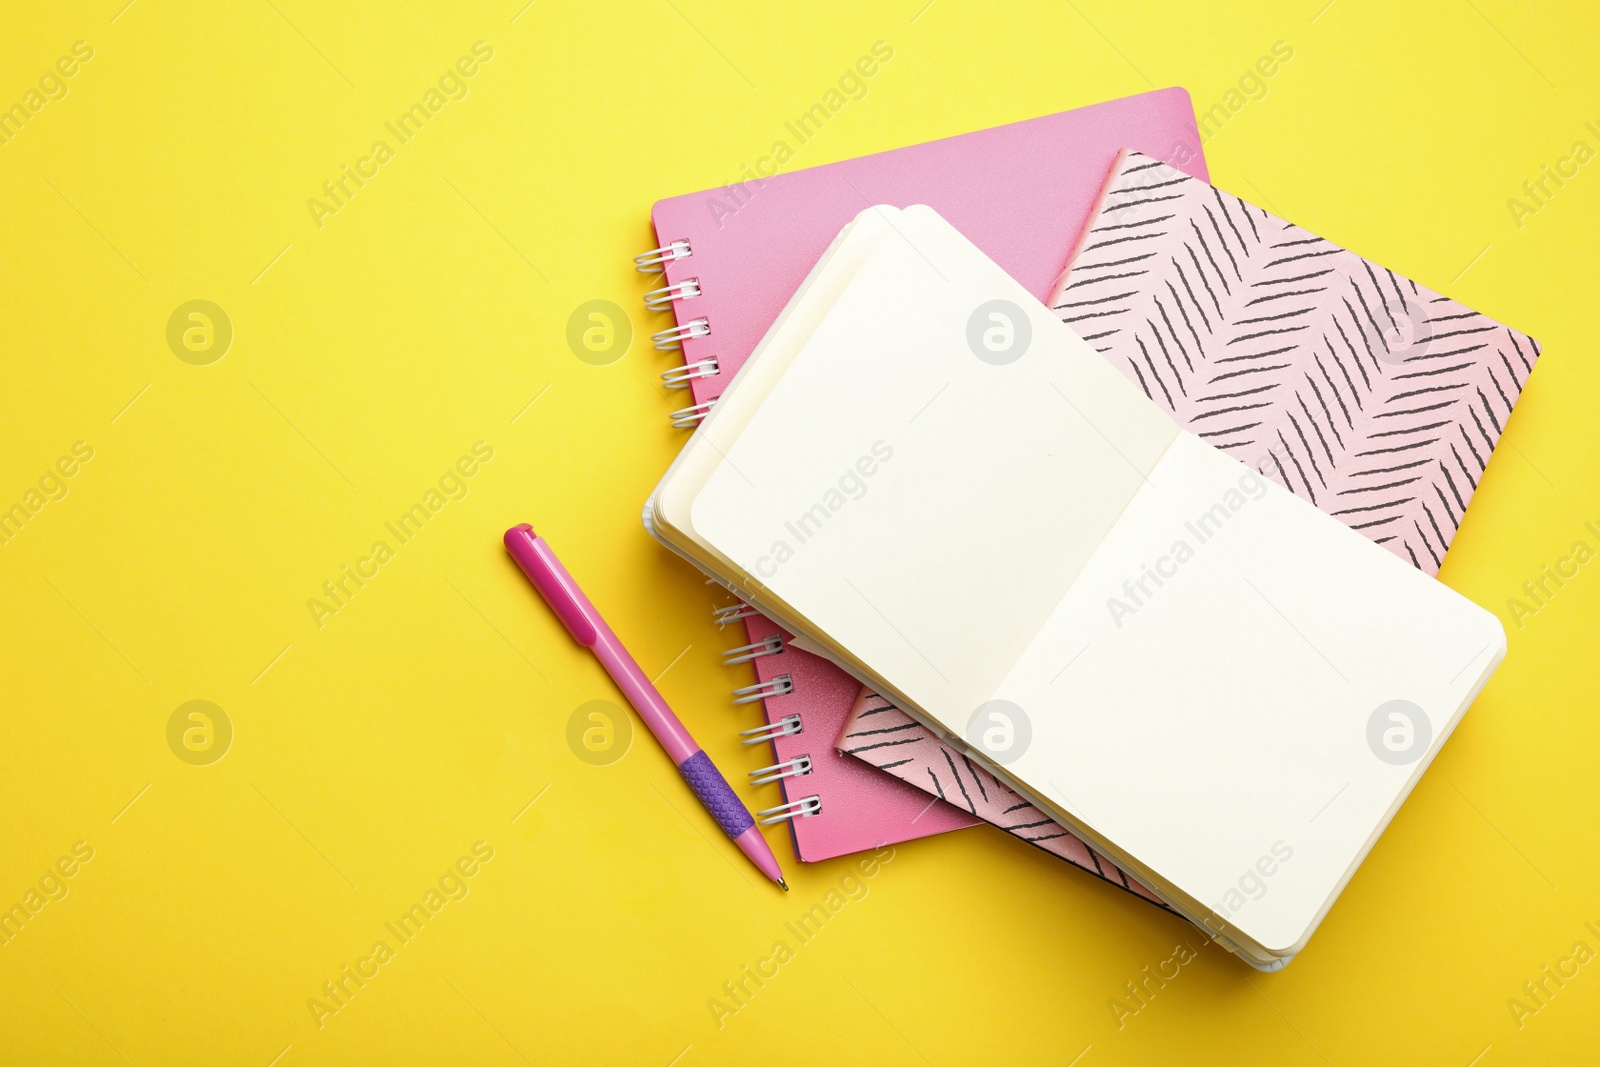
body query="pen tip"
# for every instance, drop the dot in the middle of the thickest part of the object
(783, 884)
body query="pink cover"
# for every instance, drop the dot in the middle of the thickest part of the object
(1021, 193)
(1372, 397)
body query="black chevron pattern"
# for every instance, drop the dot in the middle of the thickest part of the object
(1376, 399)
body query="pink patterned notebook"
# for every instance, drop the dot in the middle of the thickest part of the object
(732, 257)
(1367, 394)
(1374, 398)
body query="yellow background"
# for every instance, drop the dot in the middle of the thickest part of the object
(372, 752)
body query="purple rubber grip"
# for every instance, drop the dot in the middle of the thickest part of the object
(715, 793)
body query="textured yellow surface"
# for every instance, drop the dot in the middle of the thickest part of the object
(380, 749)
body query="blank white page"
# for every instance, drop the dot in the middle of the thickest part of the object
(766, 365)
(922, 506)
(1204, 696)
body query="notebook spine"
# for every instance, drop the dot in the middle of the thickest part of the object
(671, 297)
(674, 296)
(778, 686)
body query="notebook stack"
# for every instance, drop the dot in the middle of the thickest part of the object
(1129, 553)
(727, 277)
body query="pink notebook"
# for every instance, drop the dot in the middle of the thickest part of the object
(1372, 397)
(732, 258)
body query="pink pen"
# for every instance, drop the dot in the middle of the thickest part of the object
(573, 608)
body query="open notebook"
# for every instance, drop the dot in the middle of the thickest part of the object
(1205, 677)
(1377, 399)
(1022, 192)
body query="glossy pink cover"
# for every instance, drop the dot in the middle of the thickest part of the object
(1022, 193)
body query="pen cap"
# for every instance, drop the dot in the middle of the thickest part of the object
(557, 587)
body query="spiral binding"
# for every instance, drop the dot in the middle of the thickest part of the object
(669, 339)
(803, 808)
(767, 646)
(685, 418)
(661, 299)
(794, 768)
(787, 726)
(655, 260)
(680, 377)
(781, 686)
(733, 613)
